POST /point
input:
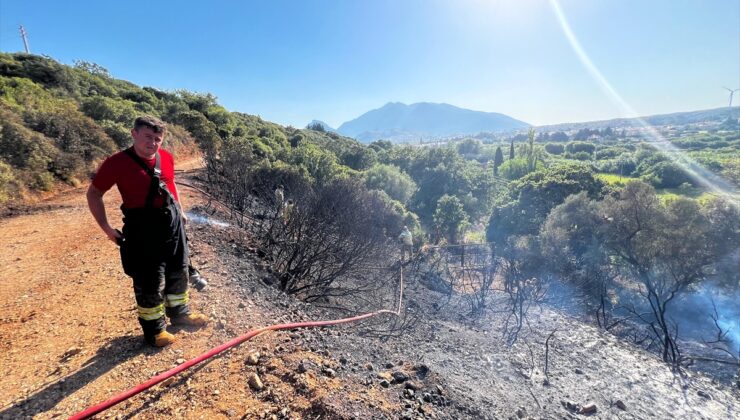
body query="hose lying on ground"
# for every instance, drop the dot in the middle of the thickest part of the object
(233, 343)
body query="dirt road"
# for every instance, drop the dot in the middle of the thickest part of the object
(69, 336)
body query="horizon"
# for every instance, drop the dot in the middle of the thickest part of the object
(543, 63)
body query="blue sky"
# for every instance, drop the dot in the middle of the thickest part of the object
(293, 61)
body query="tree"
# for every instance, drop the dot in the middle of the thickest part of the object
(580, 146)
(530, 154)
(554, 148)
(316, 126)
(572, 247)
(450, 218)
(511, 150)
(470, 147)
(514, 169)
(532, 197)
(657, 245)
(498, 159)
(397, 184)
(667, 174)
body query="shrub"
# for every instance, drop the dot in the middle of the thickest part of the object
(7, 182)
(390, 179)
(554, 148)
(668, 175)
(580, 146)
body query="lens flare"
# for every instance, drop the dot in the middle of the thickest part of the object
(704, 177)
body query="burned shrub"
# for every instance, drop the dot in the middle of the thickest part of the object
(327, 236)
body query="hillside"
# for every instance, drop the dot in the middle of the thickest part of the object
(676, 118)
(549, 278)
(404, 123)
(57, 122)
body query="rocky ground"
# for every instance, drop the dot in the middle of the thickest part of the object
(69, 339)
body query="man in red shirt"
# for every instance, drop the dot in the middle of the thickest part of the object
(154, 251)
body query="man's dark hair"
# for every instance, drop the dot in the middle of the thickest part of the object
(156, 125)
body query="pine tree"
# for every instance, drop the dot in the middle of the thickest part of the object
(511, 150)
(498, 159)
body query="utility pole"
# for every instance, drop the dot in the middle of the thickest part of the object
(25, 41)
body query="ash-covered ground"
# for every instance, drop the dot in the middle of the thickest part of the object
(446, 364)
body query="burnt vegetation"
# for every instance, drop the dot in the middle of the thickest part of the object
(502, 224)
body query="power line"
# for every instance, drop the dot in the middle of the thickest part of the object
(25, 40)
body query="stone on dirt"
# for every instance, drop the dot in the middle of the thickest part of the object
(620, 405)
(399, 377)
(253, 359)
(255, 382)
(588, 408)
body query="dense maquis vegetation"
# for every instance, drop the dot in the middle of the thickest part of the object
(602, 209)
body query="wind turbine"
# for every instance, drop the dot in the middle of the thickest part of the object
(732, 92)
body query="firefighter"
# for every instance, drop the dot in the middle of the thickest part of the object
(153, 247)
(407, 243)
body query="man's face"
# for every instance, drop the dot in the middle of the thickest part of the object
(146, 141)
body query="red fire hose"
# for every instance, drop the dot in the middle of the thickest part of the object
(216, 350)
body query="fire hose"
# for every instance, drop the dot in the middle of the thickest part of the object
(233, 343)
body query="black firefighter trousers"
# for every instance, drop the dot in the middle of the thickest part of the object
(155, 255)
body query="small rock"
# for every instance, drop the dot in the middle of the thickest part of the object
(215, 392)
(389, 365)
(440, 391)
(385, 384)
(180, 361)
(384, 375)
(168, 381)
(302, 367)
(703, 394)
(408, 393)
(588, 408)
(620, 405)
(253, 359)
(399, 377)
(242, 305)
(329, 372)
(343, 360)
(72, 351)
(412, 385)
(421, 370)
(427, 397)
(369, 366)
(578, 371)
(255, 382)
(521, 412)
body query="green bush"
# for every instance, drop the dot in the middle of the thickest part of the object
(390, 179)
(554, 148)
(7, 182)
(514, 168)
(580, 146)
(117, 110)
(667, 174)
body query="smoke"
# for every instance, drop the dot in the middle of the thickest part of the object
(693, 313)
(204, 220)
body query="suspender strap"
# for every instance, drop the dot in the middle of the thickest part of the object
(155, 173)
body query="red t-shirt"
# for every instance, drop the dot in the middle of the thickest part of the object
(132, 180)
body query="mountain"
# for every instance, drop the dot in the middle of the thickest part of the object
(400, 122)
(326, 126)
